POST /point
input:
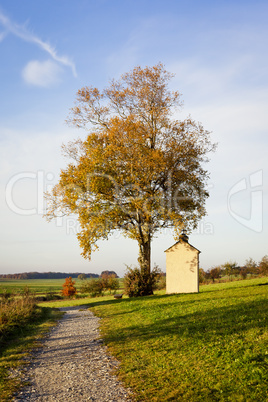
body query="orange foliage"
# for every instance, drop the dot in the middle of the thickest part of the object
(138, 170)
(68, 287)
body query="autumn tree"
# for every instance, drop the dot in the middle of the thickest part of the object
(68, 287)
(215, 273)
(138, 170)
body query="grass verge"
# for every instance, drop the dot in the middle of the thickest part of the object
(16, 345)
(211, 346)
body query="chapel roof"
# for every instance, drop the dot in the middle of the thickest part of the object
(183, 238)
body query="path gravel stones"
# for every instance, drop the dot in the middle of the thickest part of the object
(73, 364)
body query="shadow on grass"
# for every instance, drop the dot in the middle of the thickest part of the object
(142, 299)
(171, 299)
(209, 324)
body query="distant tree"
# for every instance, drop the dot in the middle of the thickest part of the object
(230, 268)
(243, 272)
(252, 266)
(138, 171)
(107, 272)
(104, 279)
(45, 275)
(82, 277)
(68, 287)
(215, 273)
(263, 265)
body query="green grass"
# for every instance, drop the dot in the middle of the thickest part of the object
(211, 346)
(34, 285)
(38, 286)
(17, 343)
(76, 302)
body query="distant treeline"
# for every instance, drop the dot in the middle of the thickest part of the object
(52, 275)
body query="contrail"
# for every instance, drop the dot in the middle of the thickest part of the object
(21, 32)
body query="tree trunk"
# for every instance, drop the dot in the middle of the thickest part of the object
(145, 256)
(145, 266)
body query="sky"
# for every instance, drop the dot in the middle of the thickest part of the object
(50, 49)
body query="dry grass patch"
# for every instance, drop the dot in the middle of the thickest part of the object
(21, 324)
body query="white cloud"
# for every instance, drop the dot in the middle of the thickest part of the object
(21, 32)
(42, 74)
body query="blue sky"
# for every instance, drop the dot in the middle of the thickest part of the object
(50, 49)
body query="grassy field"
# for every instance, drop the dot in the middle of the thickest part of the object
(211, 346)
(38, 286)
(34, 285)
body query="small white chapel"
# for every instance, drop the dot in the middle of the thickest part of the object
(182, 267)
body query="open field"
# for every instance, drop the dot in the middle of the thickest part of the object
(38, 286)
(34, 285)
(43, 286)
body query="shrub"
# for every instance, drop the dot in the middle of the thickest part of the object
(94, 287)
(161, 282)
(113, 283)
(201, 275)
(15, 313)
(137, 283)
(69, 289)
(109, 281)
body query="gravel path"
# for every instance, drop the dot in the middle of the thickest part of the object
(73, 364)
